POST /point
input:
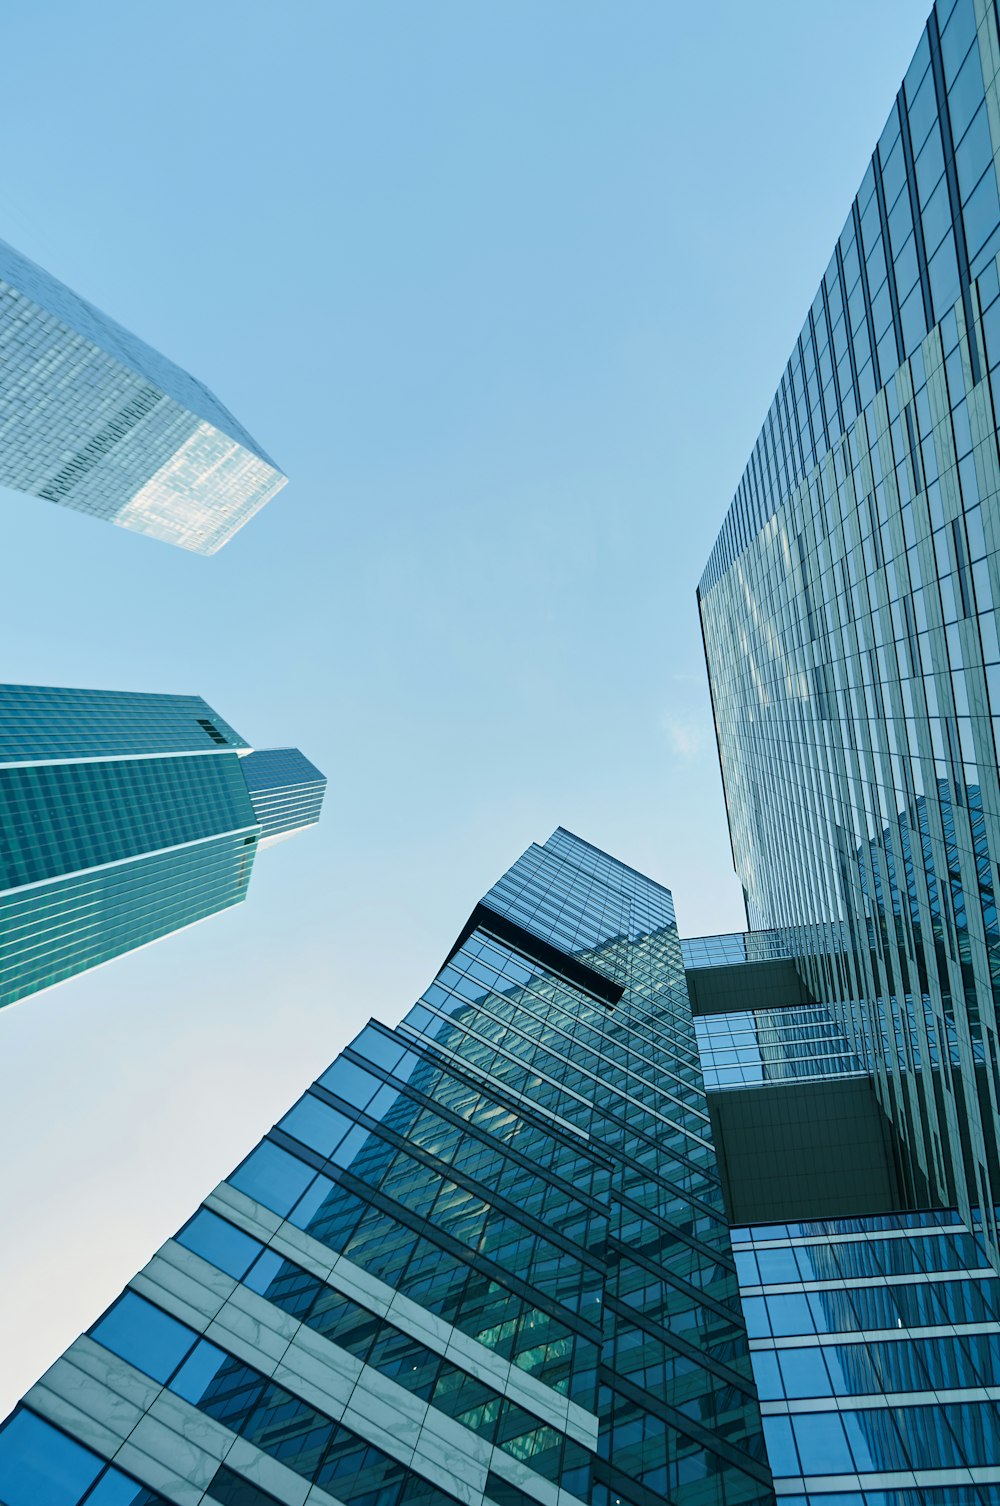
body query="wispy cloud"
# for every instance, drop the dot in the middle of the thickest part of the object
(687, 735)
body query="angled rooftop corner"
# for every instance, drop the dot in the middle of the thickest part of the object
(286, 792)
(94, 418)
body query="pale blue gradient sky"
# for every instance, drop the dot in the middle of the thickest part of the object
(506, 289)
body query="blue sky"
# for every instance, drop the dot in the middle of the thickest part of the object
(506, 289)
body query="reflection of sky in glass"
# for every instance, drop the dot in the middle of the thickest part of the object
(54, 296)
(856, 1356)
(772, 1045)
(738, 946)
(761, 946)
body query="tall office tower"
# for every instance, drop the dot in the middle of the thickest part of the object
(483, 1259)
(873, 1331)
(125, 817)
(93, 418)
(850, 626)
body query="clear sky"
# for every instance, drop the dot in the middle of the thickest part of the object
(506, 289)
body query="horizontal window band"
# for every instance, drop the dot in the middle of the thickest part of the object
(978, 1474)
(863, 1401)
(139, 857)
(858, 1283)
(875, 1335)
(44, 763)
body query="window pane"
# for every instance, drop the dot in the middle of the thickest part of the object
(316, 1124)
(220, 1243)
(116, 1489)
(41, 1466)
(805, 1373)
(231, 1489)
(272, 1177)
(377, 1047)
(350, 1082)
(821, 1441)
(148, 1338)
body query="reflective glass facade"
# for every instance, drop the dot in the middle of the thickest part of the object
(773, 1045)
(286, 791)
(95, 419)
(848, 611)
(876, 1350)
(123, 817)
(482, 1259)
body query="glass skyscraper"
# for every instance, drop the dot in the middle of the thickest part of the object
(124, 817)
(877, 1359)
(610, 1219)
(850, 626)
(95, 419)
(874, 1331)
(483, 1259)
(605, 1221)
(286, 791)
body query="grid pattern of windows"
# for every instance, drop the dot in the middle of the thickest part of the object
(286, 790)
(737, 947)
(42, 1466)
(592, 909)
(876, 1350)
(94, 419)
(65, 817)
(99, 856)
(488, 1246)
(45, 723)
(773, 1045)
(850, 626)
(926, 219)
(54, 930)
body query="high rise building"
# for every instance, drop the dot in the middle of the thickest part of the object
(95, 419)
(872, 1328)
(483, 1259)
(617, 1220)
(606, 1219)
(124, 817)
(850, 626)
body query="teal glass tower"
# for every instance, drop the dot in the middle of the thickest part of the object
(849, 611)
(286, 791)
(125, 817)
(94, 419)
(483, 1259)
